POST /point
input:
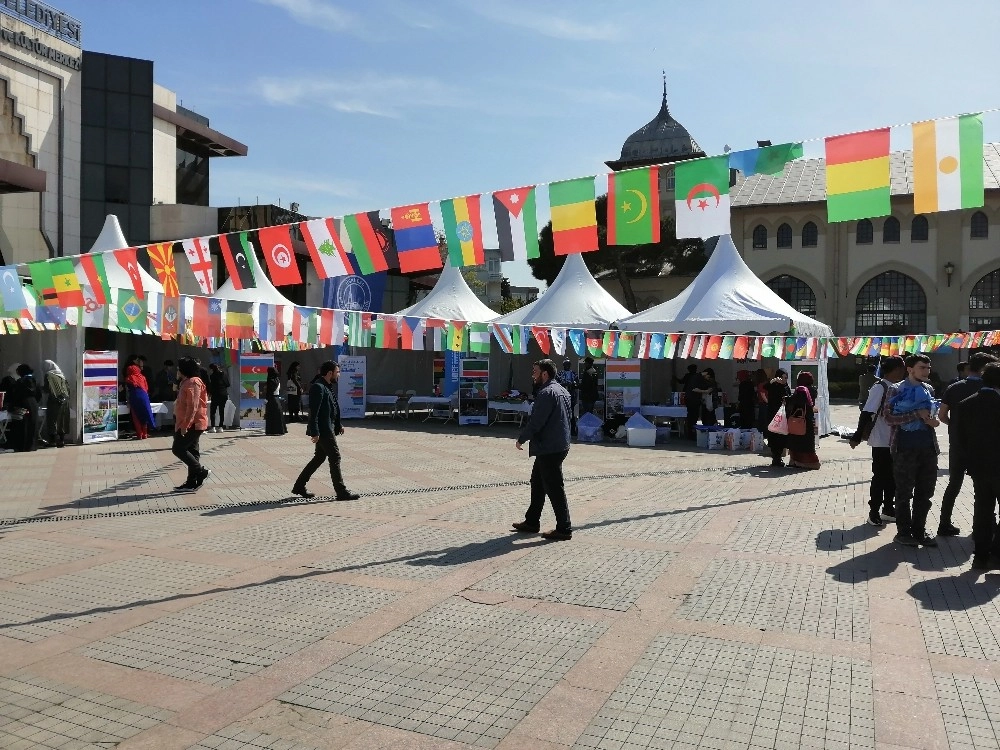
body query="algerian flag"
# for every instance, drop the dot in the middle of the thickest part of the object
(948, 164)
(702, 197)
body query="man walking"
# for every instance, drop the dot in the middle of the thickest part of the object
(871, 422)
(547, 432)
(190, 420)
(324, 426)
(953, 396)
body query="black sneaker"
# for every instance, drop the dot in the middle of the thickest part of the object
(888, 513)
(925, 540)
(523, 527)
(201, 478)
(303, 492)
(906, 539)
(186, 487)
(874, 519)
(347, 495)
(948, 529)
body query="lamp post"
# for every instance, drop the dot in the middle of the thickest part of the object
(949, 269)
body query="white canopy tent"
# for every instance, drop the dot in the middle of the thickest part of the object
(450, 299)
(111, 238)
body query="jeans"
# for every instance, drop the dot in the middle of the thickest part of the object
(547, 479)
(185, 447)
(883, 487)
(985, 539)
(218, 407)
(956, 475)
(326, 450)
(915, 472)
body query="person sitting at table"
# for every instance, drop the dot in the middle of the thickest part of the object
(56, 405)
(138, 398)
(274, 420)
(23, 400)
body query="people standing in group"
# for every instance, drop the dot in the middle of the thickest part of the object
(190, 421)
(865, 383)
(962, 369)
(218, 391)
(293, 392)
(777, 392)
(914, 454)
(802, 403)
(871, 422)
(56, 404)
(548, 436)
(323, 428)
(274, 418)
(975, 431)
(165, 383)
(569, 380)
(590, 387)
(21, 402)
(137, 388)
(760, 381)
(746, 399)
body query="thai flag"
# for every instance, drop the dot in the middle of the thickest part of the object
(100, 369)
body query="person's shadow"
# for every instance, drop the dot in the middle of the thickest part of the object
(957, 593)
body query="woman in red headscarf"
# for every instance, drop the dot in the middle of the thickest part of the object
(802, 402)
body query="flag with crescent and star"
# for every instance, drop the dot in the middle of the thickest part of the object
(126, 258)
(11, 291)
(200, 258)
(634, 207)
(701, 202)
(237, 253)
(279, 254)
(161, 258)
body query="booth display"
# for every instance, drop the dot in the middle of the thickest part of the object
(352, 387)
(473, 392)
(253, 376)
(621, 389)
(100, 396)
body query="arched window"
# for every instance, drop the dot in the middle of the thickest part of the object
(795, 292)
(980, 226)
(984, 303)
(759, 237)
(810, 234)
(784, 236)
(890, 230)
(865, 232)
(919, 229)
(890, 303)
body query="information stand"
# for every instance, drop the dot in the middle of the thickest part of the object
(473, 391)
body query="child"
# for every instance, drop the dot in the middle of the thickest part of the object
(910, 398)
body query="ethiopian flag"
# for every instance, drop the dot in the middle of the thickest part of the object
(464, 231)
(702, 197)
(574, 218)
(634, 207)
(948, 164)
(857, 175)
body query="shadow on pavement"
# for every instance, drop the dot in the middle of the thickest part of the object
(956, 593)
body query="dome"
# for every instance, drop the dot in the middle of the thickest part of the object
(661, 139)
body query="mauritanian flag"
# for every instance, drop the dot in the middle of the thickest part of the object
(463, 228)
(574, 217)
(517, 224)
(857, 175)
(702, 197)
(948, 164)
(634, 207)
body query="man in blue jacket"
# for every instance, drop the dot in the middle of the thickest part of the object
(324, 426)
(547, 432)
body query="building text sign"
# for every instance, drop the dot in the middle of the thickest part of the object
(45, 18)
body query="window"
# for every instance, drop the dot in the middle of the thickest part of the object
(980, 228)
(810, 234)
(890, 230)
(865, 233)
(890, 303)
(795, 292)
(784, 236)
(985, 300)
(919, 229)
(759, 237)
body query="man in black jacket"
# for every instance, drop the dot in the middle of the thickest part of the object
(324, 426)
(547, 432)
(977, 433)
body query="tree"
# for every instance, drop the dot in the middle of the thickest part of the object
(505, 288)
(676, 257)
(510, 304)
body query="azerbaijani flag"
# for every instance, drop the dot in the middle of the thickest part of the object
(948, 164)
(634, 207)
(857, 175)
(416, 244)
(574, 218)
(463, 228)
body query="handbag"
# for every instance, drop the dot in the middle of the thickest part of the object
(797, 423)
(779, 423)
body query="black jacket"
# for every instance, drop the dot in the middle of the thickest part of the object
(324, 411)
(218, 384)
(977, 431)
(547, 430)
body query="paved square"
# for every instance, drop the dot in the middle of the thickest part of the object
(971, 709)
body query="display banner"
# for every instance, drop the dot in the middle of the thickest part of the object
(622, 391)
(100, 396)
(452, 363)
(253, 377)
(473, 391)
(352, 389)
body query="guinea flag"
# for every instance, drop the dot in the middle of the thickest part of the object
(702, 197)
(634, 207)
(574, 218)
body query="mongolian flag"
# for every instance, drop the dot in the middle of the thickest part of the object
(238, 255)
(416, 243)
(276, 245)
(541, 335)
(127, 260)
(161, 258)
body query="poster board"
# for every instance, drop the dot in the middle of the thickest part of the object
(473, 391)
(352, 388)
(623, 394)
(100, 396)
(253, 376)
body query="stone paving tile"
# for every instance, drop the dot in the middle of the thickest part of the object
(460, 671)
(145, 528)
(603, 577)
(776, 535)
(689, 691)
(959, 617)
(781, 596)
(40, 713)
(239, 738)
(501, 507)
(971, 710)
(221, 641)
(19, 556)
(647, 522)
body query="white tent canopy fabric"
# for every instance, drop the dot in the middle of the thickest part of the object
(573, 300)
(111, 238)
(450, 299)
(726, 297)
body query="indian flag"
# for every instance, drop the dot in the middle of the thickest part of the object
(622, 373)
(948, 164)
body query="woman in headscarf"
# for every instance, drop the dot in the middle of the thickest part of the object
(274, 420)
(23, 400)
(293, 390)
(802, 402)
(746, 397)
(138, 398)
(56, 405)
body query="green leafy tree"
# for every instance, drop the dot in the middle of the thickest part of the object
(675, 257)
(510, 304)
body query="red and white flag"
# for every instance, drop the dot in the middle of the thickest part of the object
(276, 244)
(200, 258)
(328, 254)
(127, 260)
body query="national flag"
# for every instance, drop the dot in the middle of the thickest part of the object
(200, 258)
(169, 315)
(558, 336)
(438, 330)
(701, 204)
(322, 237)
(305, 326)
(476, 368)
(857, 175)
(727, 348)
(279, 254)
(958, 340)
(843, 345)
(161, 258)
(368, 241)
(858, 346)
(595, 343)
(332, 330)
(768, 348)
(519, 338)
(416, 243)
(206, 321)
(948, 164)
(253, 367)
(463, 228)
(791, 347)
(625, 344)
(43, 283)
(713, 347)
(671, 345)
(700, 345)
(517, 223)
(831, 349)
(238, 255)
(541, 336)
(45, 317)
(875, 346)
(643, 339)
(412, 333)
(657, 345)
(386, 336)
(634, 207)
(574, 217)
(131, 311)
(622, 374)
(358, 331)
(126, 258)
(100, 369)
(11, 291)
(578, 340)
(479, 338)
(271, 322)
(740, 347)
(457, 340)
(755, 346)
(239, 320)
(502, 333)
(764, 160)
(609, 343)
(67, 286)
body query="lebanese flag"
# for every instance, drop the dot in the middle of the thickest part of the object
(328, 254)
(127, 260)
(276, 244)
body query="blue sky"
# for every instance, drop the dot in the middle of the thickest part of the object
(353, 106)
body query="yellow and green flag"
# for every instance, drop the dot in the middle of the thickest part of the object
(574, 217)
(857, 175)
(634, 207)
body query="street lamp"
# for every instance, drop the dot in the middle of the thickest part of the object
(949, 269)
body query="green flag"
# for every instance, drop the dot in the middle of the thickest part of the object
(634, 207)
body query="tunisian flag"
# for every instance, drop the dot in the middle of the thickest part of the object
(276, 244)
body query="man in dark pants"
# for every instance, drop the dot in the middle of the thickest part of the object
(977, 431)
(694, 387)
(953, 396)
(324, 426)
(547, 432)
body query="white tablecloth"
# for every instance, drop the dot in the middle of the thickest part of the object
(430, 401)
(524, 406)
(162, 412)
(673, 411)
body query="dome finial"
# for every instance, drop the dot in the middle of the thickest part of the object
(664, 106)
